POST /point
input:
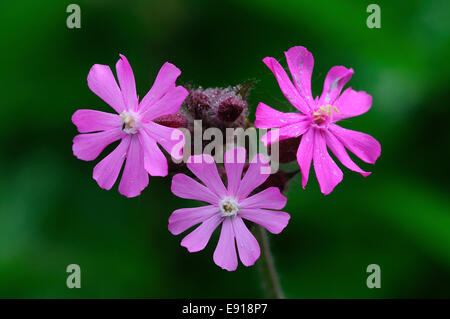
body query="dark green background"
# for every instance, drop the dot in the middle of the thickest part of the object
(52, 213)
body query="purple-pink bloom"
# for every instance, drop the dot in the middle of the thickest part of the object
(316, 120)
(227, 206)
(133, 126)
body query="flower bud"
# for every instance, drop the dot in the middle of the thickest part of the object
(287, 149)
(219, 107)
(173, 120)
(197, 103)
(280, 179)
(229, 110)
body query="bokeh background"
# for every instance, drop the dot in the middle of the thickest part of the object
(53, 214)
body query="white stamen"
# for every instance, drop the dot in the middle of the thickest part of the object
(130, 122)
(228, 207)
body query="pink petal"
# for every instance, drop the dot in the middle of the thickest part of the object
(301, 63)
(327, 172)
(107, 170)
(339, 151)
(234, 164)
(305, 154)
(285, 132)
(269, 198)
(171, 139)
(289, 91)
(204, 167)
(127, 83)
(198, 238)
(336, 78)
(165, 81)
(155, 163)
(134, 177)
(257, 173)
(185, 218)
(88, 121)
(267, 117)
(88, 146)
(273, 221)
(170, 103)
(352, 103)
(225, 254)
(246, 243)
(185, 187)
(362, 145)
(101, 81)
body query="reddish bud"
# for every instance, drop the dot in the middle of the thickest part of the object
(280, 179)
(218, 107)
(197, 103)
(287, 149)
(173, 120)
(230, 109)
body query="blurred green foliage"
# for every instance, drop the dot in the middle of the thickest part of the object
(53, 214)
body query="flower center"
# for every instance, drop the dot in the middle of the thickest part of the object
(130, 122)
(324, 114)
(228, 207)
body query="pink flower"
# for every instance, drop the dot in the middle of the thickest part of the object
(317, 119)
(133, 126)
(227, 206)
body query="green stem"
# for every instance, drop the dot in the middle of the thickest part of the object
(271, 282)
